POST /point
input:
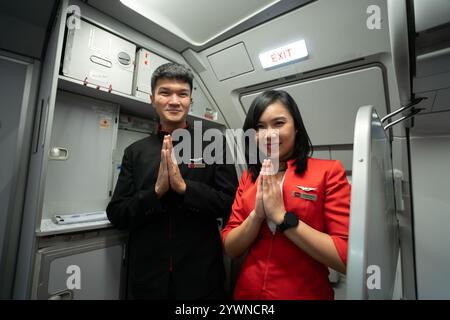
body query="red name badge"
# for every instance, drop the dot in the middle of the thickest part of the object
(196, 165)
(306, 196)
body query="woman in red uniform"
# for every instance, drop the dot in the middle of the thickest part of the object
(292, 222)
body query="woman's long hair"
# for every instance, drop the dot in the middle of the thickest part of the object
(302, 148)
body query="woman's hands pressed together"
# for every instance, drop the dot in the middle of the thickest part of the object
(271, 196)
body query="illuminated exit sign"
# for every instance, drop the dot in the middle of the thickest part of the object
(288, 53)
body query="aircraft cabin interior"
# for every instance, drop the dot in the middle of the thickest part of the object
(371, 79)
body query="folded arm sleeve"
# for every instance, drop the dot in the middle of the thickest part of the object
(237, 214)
(130, 207)
(337, 208)
(213, 200)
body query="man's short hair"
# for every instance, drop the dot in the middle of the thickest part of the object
(172, 70)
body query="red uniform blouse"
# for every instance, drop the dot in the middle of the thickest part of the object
(275, 268)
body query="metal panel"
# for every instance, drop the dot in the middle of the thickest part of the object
(432, 124)
(38, 161)
(373, 234)
(230, 62)
(124, 139)
(400, 159)
(18, 82)
(328, 105)
(80, 182)
(12, 86)
(430, 157)
(201, 106)
(345, 156)
(99, 57)
(442, 101)
(81, 270)
(430, 14)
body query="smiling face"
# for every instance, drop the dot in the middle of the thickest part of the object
(275, 128)
(171, 98)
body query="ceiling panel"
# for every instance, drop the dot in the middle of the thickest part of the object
(195, 14)
(23, 26)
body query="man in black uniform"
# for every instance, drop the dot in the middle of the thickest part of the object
(171, 210)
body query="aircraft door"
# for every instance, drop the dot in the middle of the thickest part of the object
(373, 246)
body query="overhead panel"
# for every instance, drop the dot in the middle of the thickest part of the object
(329, 104)
(230, 62)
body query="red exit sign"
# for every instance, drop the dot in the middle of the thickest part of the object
(288, 53)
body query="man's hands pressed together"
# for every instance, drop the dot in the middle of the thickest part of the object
(169, 176)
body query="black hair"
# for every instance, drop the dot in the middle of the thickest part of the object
(302, 147)
(172, 70)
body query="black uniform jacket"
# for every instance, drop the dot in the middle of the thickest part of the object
(174, 248)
